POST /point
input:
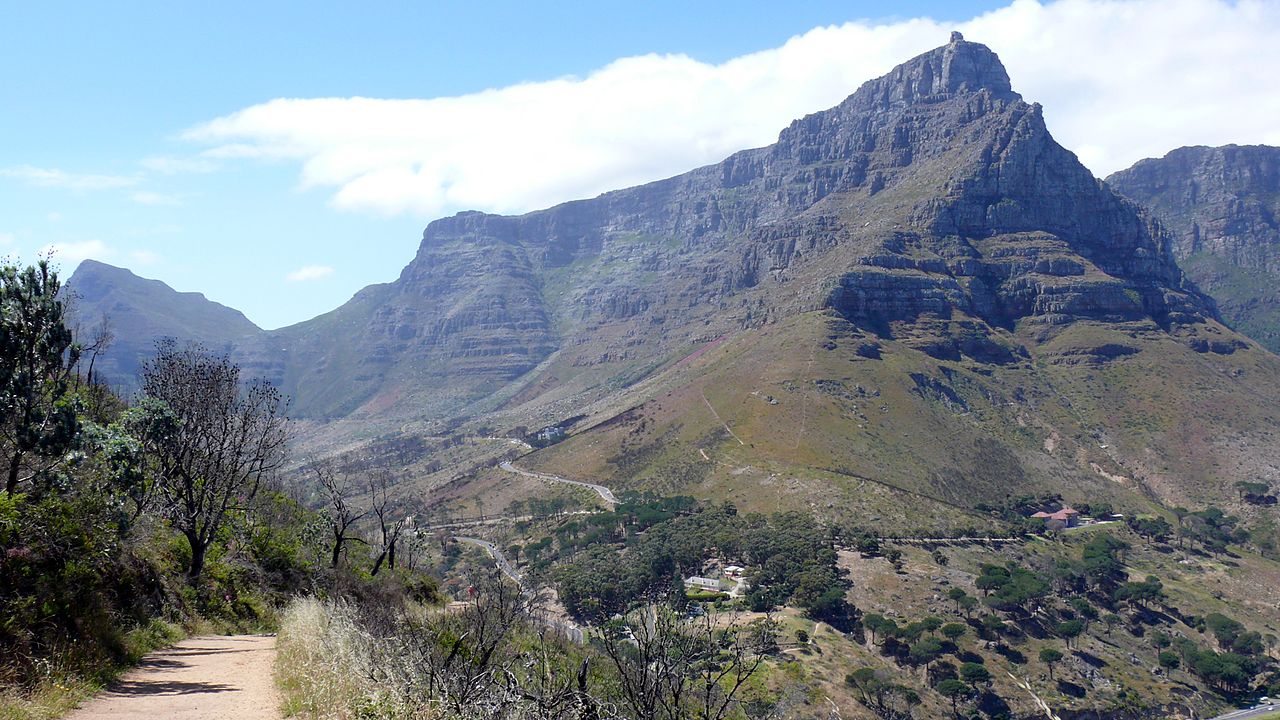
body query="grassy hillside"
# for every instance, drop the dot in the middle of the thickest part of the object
(812, 413)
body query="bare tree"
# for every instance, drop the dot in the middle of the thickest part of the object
(229, 437)
(391, 520)
(339, 490)
(673, 667)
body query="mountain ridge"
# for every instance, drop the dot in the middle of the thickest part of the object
(1222, 205)
(927, 232)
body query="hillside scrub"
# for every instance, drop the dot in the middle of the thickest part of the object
(497, 656)
(96, 563)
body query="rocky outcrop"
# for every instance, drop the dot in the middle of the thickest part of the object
(1222, 206)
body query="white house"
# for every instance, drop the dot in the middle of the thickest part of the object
(703, 583)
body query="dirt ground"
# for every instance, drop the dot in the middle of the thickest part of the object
(201, 678)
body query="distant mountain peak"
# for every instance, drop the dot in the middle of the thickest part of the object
(958, 67)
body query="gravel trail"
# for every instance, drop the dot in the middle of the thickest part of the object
(202, 678)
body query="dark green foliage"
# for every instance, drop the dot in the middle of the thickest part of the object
(1012, 587)
(1140, 594)
(38, 421)
(790, 556)
(1232, 636)
(1050, 657)
(1153, 528)
(1070, 630)
(84, 553)
(1169, 660)
(1211, 528)
(1225, 672)
(975, 673)
(953, 690)
(886, 698)
(1102, 561)
(925, 651)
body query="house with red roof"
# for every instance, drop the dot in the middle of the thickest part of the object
(1068, 516)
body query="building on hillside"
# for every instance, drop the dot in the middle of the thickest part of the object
(1068, 516)
(703, 583)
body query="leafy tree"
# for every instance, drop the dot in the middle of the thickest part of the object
(925, 652)
(955, 691)
(1102, 564)
(954, 631)
(873, 622)
(1245, 487)
(38, 422)
(1085, 609)
(1012, 587)
(1232, 636)
(1050, 657)
(975, 673)
(1111, 620)
(1156, 528)
(992, 624)
(895, 558)
(1169, 660)
(1140, 594)
(227, 440)
(1071, 629)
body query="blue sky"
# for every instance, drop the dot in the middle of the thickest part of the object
(187, 142)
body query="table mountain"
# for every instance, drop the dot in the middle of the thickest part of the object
(1222, 205)
(917, 290)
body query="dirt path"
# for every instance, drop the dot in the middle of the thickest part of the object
(198, 679)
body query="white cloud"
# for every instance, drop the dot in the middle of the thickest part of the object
(144, 197)
(1119, 79)
(309, 272)
(6, 239)
(69, 254)
(52, 177)
(54, 217)
(167, 165)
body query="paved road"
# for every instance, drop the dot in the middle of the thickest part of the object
(951, 540)
(498, 557)
(1252, 712)
(605, 493)
(569, 630)
(204, 678)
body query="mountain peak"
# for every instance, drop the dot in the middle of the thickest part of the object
(957, 67)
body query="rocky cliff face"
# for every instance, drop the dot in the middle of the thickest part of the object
(1019, 323)
(1222, 206)
(932, 204)
(933, 192)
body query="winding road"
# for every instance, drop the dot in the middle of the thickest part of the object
(569, 630)
(1253, 712)
(605, 493)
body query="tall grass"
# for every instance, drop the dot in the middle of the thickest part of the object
(327, 664)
